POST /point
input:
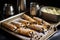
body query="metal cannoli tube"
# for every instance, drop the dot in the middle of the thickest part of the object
(9, 26)
(24, 31)
(26, 17)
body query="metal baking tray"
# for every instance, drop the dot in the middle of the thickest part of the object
(45, 37)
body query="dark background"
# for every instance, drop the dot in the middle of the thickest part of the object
(55, 3)
(4, 35)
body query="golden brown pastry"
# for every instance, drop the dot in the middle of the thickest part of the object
(42, 22)
(9, 26)
(17, 24)
(26, 17)
(24, 31)
(36, 27)
(40, 28)
(25, 22)
(39, 21)
(46, 23)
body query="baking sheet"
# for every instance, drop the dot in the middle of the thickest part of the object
(45, 37)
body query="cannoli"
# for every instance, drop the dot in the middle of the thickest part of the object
(26, 17)
(39, 21)
(9, 26)
(25, 22)
(24, 31)
(17, 24)
(36, 27)
(42, 22)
